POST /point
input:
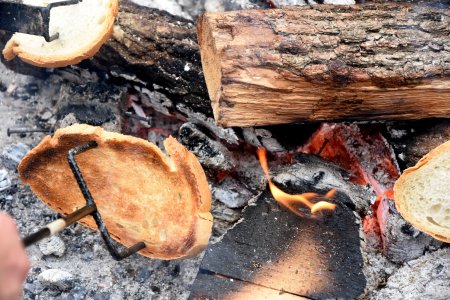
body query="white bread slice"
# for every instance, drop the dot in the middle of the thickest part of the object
(83, 28)
(141, 194)
(422, 193)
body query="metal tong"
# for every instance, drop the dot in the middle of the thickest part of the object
(90, 209)
(35, 20)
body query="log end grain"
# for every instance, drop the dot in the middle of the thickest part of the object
(211, 64)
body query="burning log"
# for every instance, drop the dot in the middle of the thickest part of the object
(369, 61)
(291, 201)
(284, 255)
(365, 152)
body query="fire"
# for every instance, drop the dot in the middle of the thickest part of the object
(291, 201)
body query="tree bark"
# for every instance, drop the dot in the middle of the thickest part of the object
(150, 48)
(368, 61)
(159, 49)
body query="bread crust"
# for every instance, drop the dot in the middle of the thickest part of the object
(400, 200)
(142, 194)
(13, 47)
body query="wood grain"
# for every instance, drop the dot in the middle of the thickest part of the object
(272, 249)
(368, 61)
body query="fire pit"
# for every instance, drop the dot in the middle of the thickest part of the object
(319, 223)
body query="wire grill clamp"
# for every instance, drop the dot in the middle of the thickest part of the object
(110, 244)
(30, 19)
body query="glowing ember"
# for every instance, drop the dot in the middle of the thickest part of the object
(291, 201)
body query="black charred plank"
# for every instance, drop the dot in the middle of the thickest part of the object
(212, 286)
(273, 248)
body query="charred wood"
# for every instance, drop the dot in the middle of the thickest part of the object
(148, 48)
(273, 249)
(309, 172)
(412, 140)
(366, 154)
(154, 49)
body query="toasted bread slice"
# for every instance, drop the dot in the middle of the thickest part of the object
(422, 193)
(83, 28)
(141, 194)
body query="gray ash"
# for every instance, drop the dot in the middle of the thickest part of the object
(92, 114)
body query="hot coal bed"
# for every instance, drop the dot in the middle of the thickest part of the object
(361, 250)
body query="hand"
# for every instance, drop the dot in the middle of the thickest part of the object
(14, 264)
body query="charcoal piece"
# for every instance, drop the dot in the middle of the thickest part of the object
(275, 249)
(67, 121)
(401, 241)
(231, 193)
(5, 180)
(312, 172)
(211, 153)
(364, 151)
(427, 277)
(25, 92)
(221, 212)
(53, 245)
(361, 149)
(230, 5)
(57, 279)
(92, 114)
(412, 140)
(250, 137)
(12, 154)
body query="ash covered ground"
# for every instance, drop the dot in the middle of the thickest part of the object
(76, 264)
(80, 266)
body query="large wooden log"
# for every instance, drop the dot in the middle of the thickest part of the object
(150, 48)
(368, 61)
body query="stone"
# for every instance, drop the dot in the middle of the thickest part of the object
(57, 279)
(12, 154)
(231, 193)
(5, 180)
(53, 245)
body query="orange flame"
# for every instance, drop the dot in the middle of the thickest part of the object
(290, 201)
